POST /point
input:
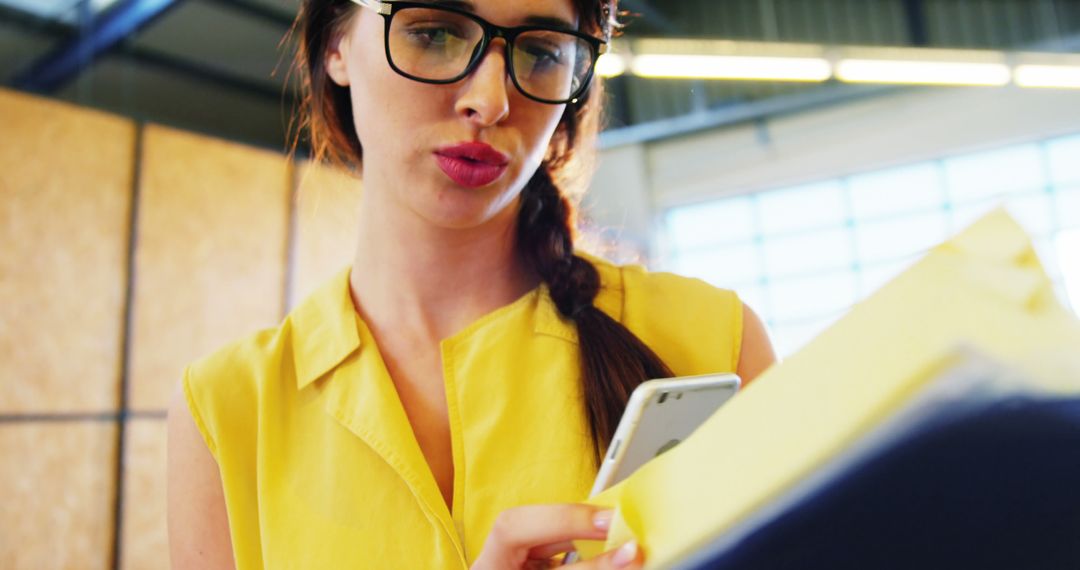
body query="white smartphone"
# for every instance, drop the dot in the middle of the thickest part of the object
(659, 415)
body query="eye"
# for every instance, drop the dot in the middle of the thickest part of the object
(433, 34)
(542, 54)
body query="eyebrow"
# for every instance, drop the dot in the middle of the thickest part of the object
(545, 21)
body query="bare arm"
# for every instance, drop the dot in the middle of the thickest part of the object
(757, 351)
(198, 522)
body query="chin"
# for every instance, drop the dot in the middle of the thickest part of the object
(462, 209)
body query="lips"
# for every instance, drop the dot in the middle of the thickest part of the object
(471, 164)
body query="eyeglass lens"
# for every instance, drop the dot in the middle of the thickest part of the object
(438, 45)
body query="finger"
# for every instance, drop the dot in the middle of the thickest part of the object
(535, 526)
(549, 550)
(626, 557)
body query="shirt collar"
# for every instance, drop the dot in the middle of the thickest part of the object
(324, 325)
(324, 329)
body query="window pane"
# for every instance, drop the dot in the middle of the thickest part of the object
(811, 252)
(1067, 207)
(1064, 158)
(896, 191)
(887, 240)
(813, 296)
(805, 207)
(790, 337)
(721, 221)
(723, 266)
(756, 298)
(963, 215)
(1034, 211)
(990, 174)
(872, 277)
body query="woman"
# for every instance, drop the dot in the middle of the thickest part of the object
(443, 402)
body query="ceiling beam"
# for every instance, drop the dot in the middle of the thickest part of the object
(105, 32)
(650, 15)
(915, 14)
(260, 11)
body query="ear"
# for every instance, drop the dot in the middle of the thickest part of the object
(336, 54)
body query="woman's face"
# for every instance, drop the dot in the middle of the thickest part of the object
(416, 136)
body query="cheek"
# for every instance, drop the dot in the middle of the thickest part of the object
(547, 124)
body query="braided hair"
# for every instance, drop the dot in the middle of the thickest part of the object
(613, 360)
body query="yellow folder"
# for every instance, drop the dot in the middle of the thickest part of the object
(982, 292)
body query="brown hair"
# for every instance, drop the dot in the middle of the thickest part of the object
(613, 360)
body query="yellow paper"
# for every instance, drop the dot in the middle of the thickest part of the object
(984, 288)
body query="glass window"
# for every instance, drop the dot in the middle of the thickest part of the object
(731, 219)
(896, 191)
(757, 299)
(814, 251)
(812, 297)
(1067, 207)
(872, 277)
(724, 266)
(1034, 211)
(791, 336)
(802, 256)
(805, 207)
(1063, 156)
(891, 239)
(997, 173)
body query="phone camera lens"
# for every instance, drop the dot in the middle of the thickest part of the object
(663, 397)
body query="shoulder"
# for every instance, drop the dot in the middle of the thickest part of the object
(694, 326)
(644, 293)
(227, 389)
(222, 389)
(234, 368)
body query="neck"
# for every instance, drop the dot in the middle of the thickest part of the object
(413, 277)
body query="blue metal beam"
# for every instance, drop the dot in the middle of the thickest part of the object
(106, 31)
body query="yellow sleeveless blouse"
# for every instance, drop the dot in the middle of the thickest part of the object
(318, 461)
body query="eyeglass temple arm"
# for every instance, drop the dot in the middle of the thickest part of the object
(377, 5)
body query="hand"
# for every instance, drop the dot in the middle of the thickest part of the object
(530, 536)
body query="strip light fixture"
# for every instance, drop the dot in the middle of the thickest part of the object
(773, 61)
(722, 59)
(1054, 71)
(922, 66)
(731, 67)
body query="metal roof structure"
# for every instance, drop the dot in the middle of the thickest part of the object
(221, 66)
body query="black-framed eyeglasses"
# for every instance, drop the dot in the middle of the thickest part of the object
(440, 44)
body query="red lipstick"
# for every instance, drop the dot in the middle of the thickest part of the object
(471, 164)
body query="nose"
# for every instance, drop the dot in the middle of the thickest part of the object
(484, 98)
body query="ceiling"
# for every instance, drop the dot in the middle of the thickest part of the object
(216, 66)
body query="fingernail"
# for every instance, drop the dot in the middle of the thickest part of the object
(625, 554)
(602, 520)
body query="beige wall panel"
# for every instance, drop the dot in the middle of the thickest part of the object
(65, 198)
(327, 202)
(58, 496)
(210, 253)
(145, 537)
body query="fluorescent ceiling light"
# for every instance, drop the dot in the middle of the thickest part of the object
(730, 67)
(922, 72)
(777, 61)
(610, 65)
(1052, 70)
(1053, 76)
(923, 66)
